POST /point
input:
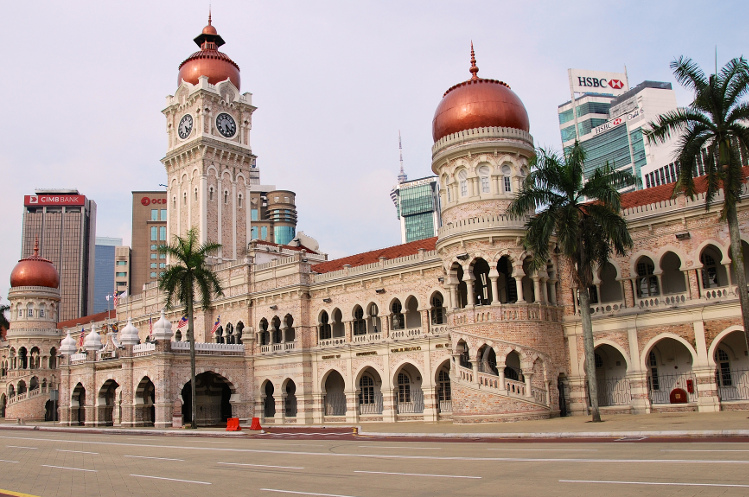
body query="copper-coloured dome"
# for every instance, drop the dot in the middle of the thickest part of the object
(34, 271)
(478, 103)
(209, 61)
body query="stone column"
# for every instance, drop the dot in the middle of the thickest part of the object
(318, 409)
(700, 284)
(707, 390)
(468, 278)
(553, 291)
(389, 405)
(349, 327)
(537, 289)
(528, 385)
(280, 416)
(638, 387)
(352, 407)
(425, 322)
(431, 410)
(494, 279)
(453, 295)
(518, 274)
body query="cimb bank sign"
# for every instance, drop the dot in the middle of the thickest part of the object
(583, 81)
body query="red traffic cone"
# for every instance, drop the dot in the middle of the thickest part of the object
(256, 424)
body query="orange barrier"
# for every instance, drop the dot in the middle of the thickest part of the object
(232, 424)
(255, 424)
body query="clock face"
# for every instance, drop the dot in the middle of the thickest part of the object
(185, 126)
(226, 125)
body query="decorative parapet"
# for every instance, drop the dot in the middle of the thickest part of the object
(383, 264)
(488, 133)
(669, 205)
(144, 349)
(77, 358)
(216, 348)
(482, 222)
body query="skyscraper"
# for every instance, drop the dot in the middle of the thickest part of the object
(64, 222)
(149, 232)
(104, 271)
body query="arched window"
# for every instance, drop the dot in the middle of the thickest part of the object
(366, 390)
(653, 379)
(325, 329)
(196, 194)
(397, 320)
(30, 311)
(723, 373)
(404, 388)
(484, 172)
(210, 193)
(647, 282)
(239, 200)
(438, 311)
(507, 179)
(443, 386)
(360, 326)
(709, 271)
(463, 182)
(184, 197)
(226, 196)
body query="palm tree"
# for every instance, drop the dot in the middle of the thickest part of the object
(716, 123)
(583, 218)
(4, 323)
(188, 271)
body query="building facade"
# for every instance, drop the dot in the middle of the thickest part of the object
(104, 270)
(64, 223)
(417, 206)
(457, 327)
(149, 232)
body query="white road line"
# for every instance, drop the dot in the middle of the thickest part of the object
(630, 439)
(302, 493)
(513, 449)
(673, 484)
(13, 462)
(141, 438)
(173, 479)
(417, 474)
(21, 447)
(159, 458)
(401, 456)
(704, 450)
(259, 465)
(409, 448)
(64, 467)
(78, 451)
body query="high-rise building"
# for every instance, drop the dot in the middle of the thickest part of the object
(417, 204)
(104, 271)
(64, 222)
(609, 121)
(149, 232)
(121, 268)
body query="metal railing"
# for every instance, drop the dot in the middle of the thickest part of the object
(613, 392)
(661, 386)
(446, 406)
(415, 406)
(374, 407)
(733, 385)
(335, 404)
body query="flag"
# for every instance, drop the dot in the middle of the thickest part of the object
(117, 297)
(182, 323)
(115, 327)
(80, 339)
(150, 327)
(216, 324)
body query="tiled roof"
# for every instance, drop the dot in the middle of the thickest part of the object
(662, 192)
(84, 320)
(394, 252)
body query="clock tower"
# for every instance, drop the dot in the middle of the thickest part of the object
(209, 160)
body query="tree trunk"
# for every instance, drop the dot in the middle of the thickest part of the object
(737, 260)
(590, 357)
(191, 338)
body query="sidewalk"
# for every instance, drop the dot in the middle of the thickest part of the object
(685, 424)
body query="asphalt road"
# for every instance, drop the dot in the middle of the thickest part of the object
(50, 464)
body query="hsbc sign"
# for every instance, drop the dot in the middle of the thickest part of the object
(42, 200)
(582, 81)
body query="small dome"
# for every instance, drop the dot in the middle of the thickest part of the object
(35, 271)
(478, 103)
(209, 61)
(162, 330)
(93, 340)
(68, 345)
(129, 334)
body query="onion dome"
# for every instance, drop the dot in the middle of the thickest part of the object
(208, 61)
(162, 330)
(93, 340)
(478, 103)
(68, 345)
(129, 334)
(35, 271)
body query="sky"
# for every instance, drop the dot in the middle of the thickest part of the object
(334, 82)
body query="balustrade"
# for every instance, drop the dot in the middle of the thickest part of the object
(407, 333)
(331, 342)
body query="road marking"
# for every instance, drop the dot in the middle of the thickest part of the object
(78, 451)
(417, 474)
(15, 494)
(259, 465)
(140, 438)
(674, 484)
(21, 447)
(173, 479)
(630, 439)
(12, 462)
(514, 449)
(409, 448)
(399, 456)
(302, 493)
(704, 450)
(64, 467)
(160, 458)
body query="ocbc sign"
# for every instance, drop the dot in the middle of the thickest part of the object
(149, 201)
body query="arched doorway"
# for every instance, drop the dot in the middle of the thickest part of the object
(669, 364)
(145, 402)
(213, 400)
(290, 402)
(335, 398)
(269, 402)
(611, 372)
(370, 395)
(408, 394)
(78, 405)
(444, 390)
(107, 401)
(732, 367)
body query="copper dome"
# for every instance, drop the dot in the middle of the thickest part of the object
(208, 61)
(478, 103)
(34, 271)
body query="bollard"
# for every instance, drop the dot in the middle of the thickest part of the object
(232, 424)
(256, 424)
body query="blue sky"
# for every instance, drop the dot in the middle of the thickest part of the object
(333, 81)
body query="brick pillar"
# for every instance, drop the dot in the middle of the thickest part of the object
(707, 390)
(638, 387)
(388, 406)
(280, 401)
(352, 407)
(318, 409)
(431, 410)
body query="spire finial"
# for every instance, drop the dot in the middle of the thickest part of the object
(36, 247)
(474, 69)
(402, 178)
(209, 14)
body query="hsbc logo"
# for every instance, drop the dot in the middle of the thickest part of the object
(616, 84)
(145, 201)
